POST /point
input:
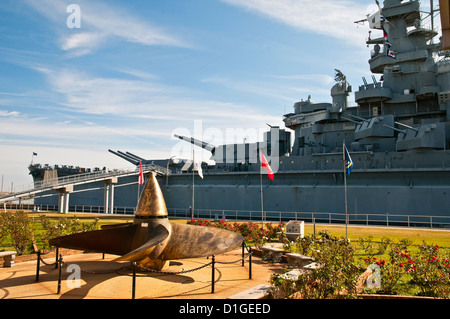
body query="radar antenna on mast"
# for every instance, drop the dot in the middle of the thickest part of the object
(339, 77)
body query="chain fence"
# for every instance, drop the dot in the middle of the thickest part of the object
(134, 266)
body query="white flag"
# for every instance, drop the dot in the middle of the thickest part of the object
(198, 168)
(375, 20)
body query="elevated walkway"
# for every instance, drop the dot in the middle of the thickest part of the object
(64, 185)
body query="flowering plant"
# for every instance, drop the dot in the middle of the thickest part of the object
(336, 273)
(252, 232)
(18, 226)
(431, 271)
(391, 271)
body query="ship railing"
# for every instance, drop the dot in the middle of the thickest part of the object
(88, 209)
(99, 175)
(385, 219)
(369, 219)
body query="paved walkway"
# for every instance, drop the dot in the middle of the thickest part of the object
(104, 279)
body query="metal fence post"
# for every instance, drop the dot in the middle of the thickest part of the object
(243, 248)
(133, 288)
(59, 275)
(213, 263)
(38, 264)
(56, 259)
(250, 264)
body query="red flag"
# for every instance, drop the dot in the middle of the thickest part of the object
(266, 166)
(141, 174)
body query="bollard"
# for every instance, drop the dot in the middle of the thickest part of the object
(59, 276)
(250, 263)
(243, 251)
(133, 288)
(38, 264)
(213, 263)
(56, 256)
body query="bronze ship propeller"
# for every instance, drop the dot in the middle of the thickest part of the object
(152, 240)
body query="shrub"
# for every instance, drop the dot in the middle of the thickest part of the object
(273, 232)
(384, 244)
(301, 245)
(18, 226)
(430, 271)
(335, 276)
(252, 232)
(368, 246)
(64, 226)
(283, 286)
(392, 270)
(3, 231)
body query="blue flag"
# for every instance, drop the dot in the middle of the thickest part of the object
(348, 161)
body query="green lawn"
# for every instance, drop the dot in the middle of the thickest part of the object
(416, 235)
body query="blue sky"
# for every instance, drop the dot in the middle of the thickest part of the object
(136, 72)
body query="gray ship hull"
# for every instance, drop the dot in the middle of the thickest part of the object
(403, 187)
(390, 183)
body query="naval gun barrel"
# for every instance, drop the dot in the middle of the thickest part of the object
(132, 159)
(350, 120)
(395, 129)
(401, 131)
(204, 145)
(407, 126)
(359, 118)
(134, 156)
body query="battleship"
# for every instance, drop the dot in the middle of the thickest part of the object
(398, 136)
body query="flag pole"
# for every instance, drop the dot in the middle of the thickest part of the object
(262, 199)
(139, 185)
(345, 189)
(266, 166)
(193, 187)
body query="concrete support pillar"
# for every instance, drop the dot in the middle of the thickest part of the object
(106, 198)
(109, 194)
(63, 202)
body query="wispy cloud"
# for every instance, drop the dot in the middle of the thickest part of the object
(142, 97)
(101, 22)
(332, 18)
(9, 114)
(282, 88)
(81, 43)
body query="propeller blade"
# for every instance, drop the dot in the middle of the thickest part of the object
(115, 240)
(157, 236)
(189, 241)
(114, 225)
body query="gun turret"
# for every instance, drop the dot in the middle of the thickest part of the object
(276, 142)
